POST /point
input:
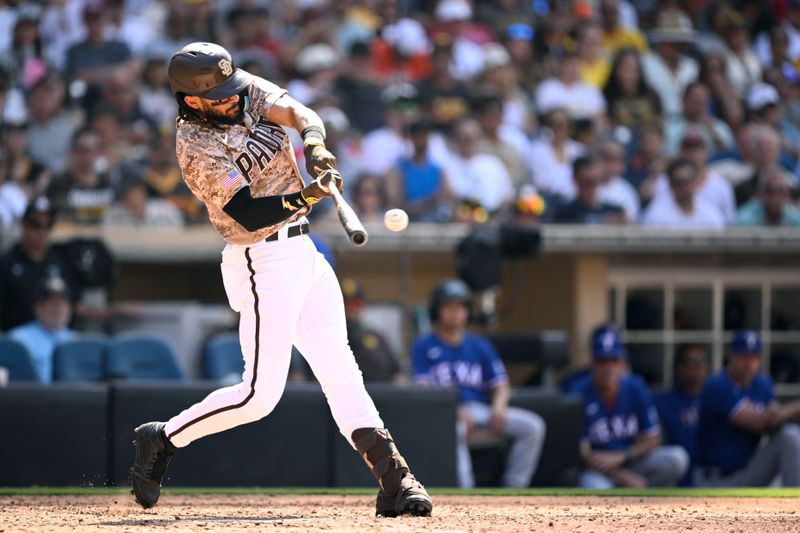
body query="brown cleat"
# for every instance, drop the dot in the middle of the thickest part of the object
(400, 492)
(412, 499)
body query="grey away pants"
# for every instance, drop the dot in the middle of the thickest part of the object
(663, 467)
(779, 456)
(526, 429)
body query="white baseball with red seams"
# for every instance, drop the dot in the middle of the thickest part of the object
(395, 220)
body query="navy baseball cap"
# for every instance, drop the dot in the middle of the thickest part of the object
(607, 344)
(746, 341)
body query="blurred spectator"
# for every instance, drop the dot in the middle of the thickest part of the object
(442, 97)
(759, 149)
(743, 67)
(505, 141)
(451, 356)
(359, 90)
(621, 443)
(317, 65)
(762, 107)
(474, 175)
(133, 208)
(790, 28)
(552, 156)
(615, 35)
(387, 145)
(369, 198)
(567, 91)
(668, 69)
(13, 198)
(725, 103)
(61, 25)
(162, 177)
(518, 41)
(121, 95)
(679, 408)
(26, 54)
(52, 309)
(31, 176)
(593, 67)
(156, 101)
(52, 123)
(737, 409)
(82, 194)
(417, 184)
(648, 160)
(682, 208)
(28, 263)
(95, 58)
(587, 208)
(773, 204)
(501, 77)
(123, 24)
(372, 352)
(402, 49)
(614, 189)
(453, 18)
(251, 40)
(711, 186)
(631, 103)
(502, 14)
(177, 31)
(696, 100)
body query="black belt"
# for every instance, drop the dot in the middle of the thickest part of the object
(293, 231)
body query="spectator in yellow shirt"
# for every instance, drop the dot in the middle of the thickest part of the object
(593, 66)
(616, 36)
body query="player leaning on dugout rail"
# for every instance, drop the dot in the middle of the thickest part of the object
(236, 157)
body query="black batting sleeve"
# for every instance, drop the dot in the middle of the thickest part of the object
(257, 213)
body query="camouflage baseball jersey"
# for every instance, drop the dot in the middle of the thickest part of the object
(218, 162)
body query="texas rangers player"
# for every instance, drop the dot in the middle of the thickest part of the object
(237, 158)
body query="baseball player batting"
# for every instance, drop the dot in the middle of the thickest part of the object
(236, 157)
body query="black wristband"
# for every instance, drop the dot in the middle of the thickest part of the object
(312, 132)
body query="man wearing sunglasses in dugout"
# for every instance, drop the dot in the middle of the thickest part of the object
(28, 263)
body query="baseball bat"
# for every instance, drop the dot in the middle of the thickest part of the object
(350, 222)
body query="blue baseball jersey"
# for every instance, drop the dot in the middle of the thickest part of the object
(719, 442)
(614, 426)
(473, 366)
(679, 414)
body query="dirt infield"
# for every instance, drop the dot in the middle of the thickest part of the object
(354, 513)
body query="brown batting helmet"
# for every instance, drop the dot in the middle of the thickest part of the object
(206, 70)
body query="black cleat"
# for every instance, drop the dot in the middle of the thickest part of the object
(412, 499)
(153, 453)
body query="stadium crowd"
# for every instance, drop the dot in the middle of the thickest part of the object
(668, 114)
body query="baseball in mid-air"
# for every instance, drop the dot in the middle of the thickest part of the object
(395, 220)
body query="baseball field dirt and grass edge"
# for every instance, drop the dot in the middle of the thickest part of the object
(745, 492)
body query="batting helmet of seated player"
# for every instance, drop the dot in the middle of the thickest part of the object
(452, 289)
(206, 70)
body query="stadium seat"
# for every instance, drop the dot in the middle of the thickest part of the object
(80, 359)
(141, 356)
(16, 358)
(222, 358)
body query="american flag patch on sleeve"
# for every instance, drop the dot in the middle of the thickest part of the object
(229, 180)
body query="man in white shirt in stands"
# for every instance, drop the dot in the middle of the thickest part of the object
(614, 189)
(474, 175)
(711, 187)
(682, 209)
(567, 91)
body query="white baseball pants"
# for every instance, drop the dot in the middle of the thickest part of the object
(286, 293)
